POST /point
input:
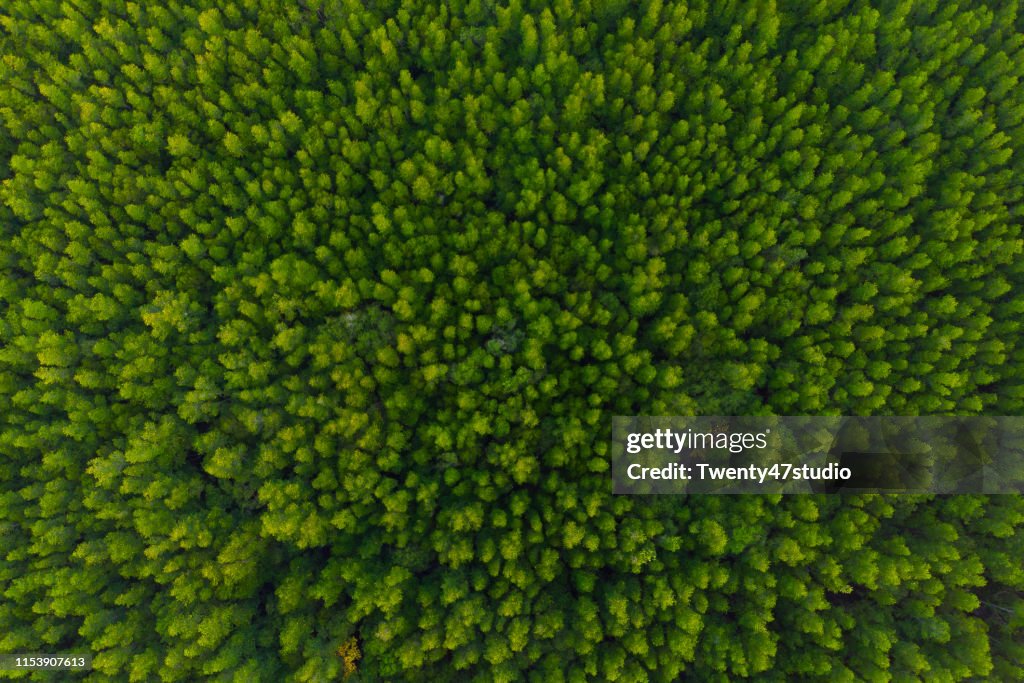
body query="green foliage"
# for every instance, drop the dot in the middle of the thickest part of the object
(313, 317)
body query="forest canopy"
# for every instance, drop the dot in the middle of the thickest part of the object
(314, 317)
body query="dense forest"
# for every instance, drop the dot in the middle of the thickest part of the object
(314, 317)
